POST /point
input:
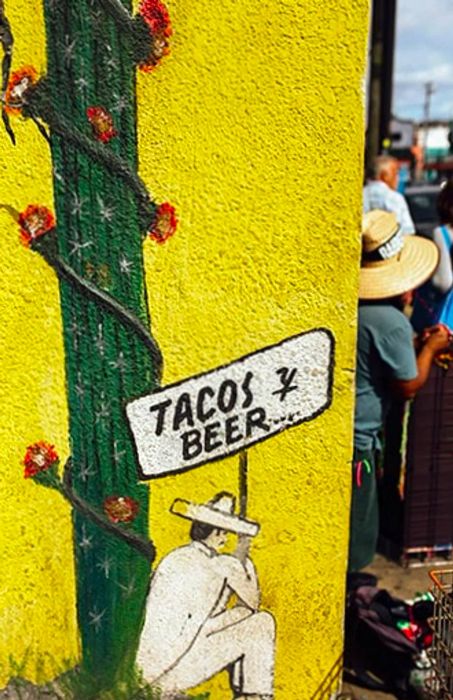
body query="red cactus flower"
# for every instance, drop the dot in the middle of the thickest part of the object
(156, 16)
(34, 222)
(120, 509)
(164, 224)
(102, 124)
(18, 84)
(39, 458)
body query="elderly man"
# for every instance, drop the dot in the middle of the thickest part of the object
(393, 265)
(189, 633)
(380, 192)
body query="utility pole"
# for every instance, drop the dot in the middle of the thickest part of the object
(382, 47)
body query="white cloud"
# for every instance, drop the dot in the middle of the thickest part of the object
(423, 54)
(441, 73)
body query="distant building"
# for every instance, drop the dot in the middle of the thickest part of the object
(417, 145)
(434, 138)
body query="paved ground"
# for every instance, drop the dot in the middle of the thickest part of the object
(403, 583)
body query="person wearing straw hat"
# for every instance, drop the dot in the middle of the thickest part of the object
(189, 634)
(392, 266)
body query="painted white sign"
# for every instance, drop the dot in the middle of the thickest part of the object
(221, 412)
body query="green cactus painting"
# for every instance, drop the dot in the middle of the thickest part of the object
(85, 107)
(91, 63)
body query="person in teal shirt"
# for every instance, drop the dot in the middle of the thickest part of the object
(387, 365)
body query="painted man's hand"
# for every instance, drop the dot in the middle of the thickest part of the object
(242, 548)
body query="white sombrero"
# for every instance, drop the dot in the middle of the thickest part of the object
(391, 262)
(218, 513)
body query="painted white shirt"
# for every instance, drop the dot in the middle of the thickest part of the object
(378, 195)
(190, 586)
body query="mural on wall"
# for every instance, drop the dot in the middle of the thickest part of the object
(200, 612)
(189, 633)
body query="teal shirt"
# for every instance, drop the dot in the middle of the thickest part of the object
(385, 352)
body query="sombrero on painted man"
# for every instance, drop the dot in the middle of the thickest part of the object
(219, 512)
(391, 262)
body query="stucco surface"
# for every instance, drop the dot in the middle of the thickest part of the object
(252, 128)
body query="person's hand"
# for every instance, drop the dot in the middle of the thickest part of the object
(437, 337)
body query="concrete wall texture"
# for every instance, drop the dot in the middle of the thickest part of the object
(253, 128)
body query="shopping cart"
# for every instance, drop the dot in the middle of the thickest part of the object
(439, 683)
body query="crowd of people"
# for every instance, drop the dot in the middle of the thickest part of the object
(399, 335)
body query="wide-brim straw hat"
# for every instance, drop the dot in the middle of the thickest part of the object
(218, 513)
(391, 262)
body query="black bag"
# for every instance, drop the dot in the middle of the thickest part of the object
(377, 655)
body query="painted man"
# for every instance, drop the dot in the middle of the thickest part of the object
(189, 634)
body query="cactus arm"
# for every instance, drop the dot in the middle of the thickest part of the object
(134, 27)
(7, 125)
(91, 291)
(118, 12)
(7, 42)
(41, 129)
(145, 547)
(40, 108)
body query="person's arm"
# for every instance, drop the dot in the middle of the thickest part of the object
(442, 279)
(438, 338)
(242, 579)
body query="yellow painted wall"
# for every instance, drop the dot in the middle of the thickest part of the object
(252, 128)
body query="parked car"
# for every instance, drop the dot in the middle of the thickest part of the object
(422, 201)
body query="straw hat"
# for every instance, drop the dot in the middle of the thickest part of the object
(391, 262)
(219, 512)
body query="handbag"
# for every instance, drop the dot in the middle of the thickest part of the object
(430, 305)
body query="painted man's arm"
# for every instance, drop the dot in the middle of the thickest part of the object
(242, 579)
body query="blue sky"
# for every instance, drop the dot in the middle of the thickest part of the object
(424, 52)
